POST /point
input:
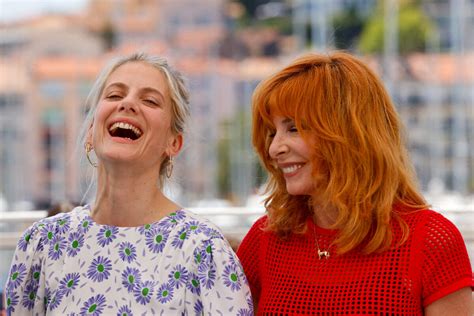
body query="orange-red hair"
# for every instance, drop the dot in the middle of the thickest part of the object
(347, 118)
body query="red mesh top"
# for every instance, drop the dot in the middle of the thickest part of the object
(287, 278)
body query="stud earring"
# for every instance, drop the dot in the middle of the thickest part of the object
(169, 168)
(88, 147)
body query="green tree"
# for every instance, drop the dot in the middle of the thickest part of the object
(347, 26)
(414, 29)
(251, 6)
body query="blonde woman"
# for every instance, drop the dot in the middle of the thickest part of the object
(133, 251)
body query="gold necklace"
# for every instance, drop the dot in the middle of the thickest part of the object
(321, 253)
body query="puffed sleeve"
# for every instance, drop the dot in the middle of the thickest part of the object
(249, 252)
(24, 279)
(446, 266)
(223, 286)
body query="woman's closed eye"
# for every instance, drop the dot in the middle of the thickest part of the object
(292, 129)
(113, 96)
(151, 101)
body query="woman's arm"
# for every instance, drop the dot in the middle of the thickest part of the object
(224, 288)
(458, 303)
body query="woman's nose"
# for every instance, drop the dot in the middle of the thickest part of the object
(128, 105)
(277, 147)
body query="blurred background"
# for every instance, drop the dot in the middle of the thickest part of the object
(51, 51)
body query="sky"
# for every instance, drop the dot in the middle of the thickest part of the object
(11, 10)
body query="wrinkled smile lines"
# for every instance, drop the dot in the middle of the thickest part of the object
(125, 125)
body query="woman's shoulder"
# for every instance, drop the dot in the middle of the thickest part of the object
(64, 221)
(432, 227)
(424, 217)
(196, 225)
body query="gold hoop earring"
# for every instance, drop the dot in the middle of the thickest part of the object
(169, 168)
(88, 147)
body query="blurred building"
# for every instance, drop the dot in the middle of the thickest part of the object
(40, 103)
(47, 66)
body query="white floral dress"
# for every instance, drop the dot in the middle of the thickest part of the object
(180, 265)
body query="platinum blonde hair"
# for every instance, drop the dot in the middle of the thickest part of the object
(179, 96)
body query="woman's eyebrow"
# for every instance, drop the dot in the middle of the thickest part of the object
(153, 90)
(116, 84)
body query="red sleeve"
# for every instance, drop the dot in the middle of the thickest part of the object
(249, 255)
(446, 266)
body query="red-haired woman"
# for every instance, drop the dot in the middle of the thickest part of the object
(346, 231)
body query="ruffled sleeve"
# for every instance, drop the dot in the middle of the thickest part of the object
(446, 266)
(223, 287)
(24, 279)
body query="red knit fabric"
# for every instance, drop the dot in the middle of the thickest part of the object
(287, 278)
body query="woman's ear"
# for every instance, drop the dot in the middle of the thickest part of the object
(174, 145)
(89, 134)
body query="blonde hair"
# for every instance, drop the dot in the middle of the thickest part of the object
(346, 117)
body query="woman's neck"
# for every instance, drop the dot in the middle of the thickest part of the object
(324, 217)
(129, 199)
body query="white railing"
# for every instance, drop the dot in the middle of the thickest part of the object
(233, 221)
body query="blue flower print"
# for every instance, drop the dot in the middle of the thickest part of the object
(130, 278)
(76, 241)
(124, 311)
(116, 270)
(25, 240)
(178, 276)
(244, 312)
(69, 283)
(203, 253)
(11, 300)
(195, 227)
(29, 295)
(127, 252)
(47, 233)
(173, 218)
(93, 306)
(156, 240)
(55, 299)
(207, 275)
(198, 308)
(231, 278)
(106, 235)
(165, 293)
(63, 224)
(250, 302)
(145, 229)
(56, 247)
(143, 292)
(36, 273)
(212, 233)
(47, 297)
(178, 215)
(85, 224)
(17, 274)
(179, 238)
(193, 284)
(99, 269)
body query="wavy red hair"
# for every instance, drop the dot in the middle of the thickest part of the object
(347, 118)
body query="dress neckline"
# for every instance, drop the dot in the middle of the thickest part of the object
(86, 209)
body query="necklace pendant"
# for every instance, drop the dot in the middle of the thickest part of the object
(323, 254)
